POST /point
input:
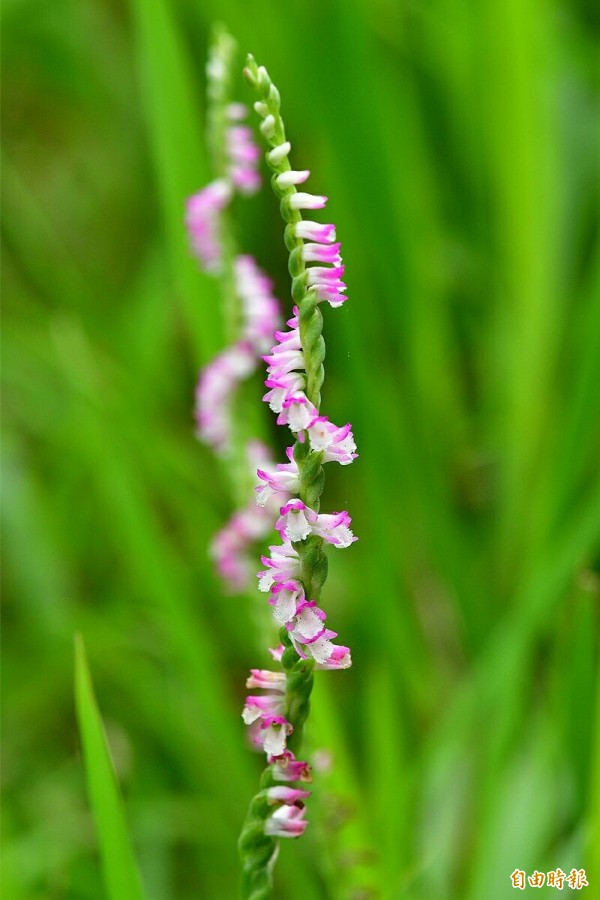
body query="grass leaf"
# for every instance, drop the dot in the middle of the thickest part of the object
(120, 868)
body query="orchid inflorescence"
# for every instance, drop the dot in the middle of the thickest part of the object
(297, 567)
(287, 497)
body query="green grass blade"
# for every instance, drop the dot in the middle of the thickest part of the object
(120, 868)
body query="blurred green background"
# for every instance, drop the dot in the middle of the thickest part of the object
(458, 143)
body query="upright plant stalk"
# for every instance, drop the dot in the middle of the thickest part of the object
(296, 569)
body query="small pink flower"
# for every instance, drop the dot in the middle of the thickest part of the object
(293, 524)
(280, 793)
(202, 220)
(282, 565)
(286, 821)
(281, 361)
(281, 388)
(332, 527)
(285, 479)
(307, 623)
(338, 658)
(277, 652)
(217, 383)
(336, 444)
(325, 274)
(286, 597)
(287, 768)
(272, 734)
(231, 545)
(325, 653)
(259, 306)
(242, 151)
(297, 412)
(262, 707)
(299, 200)
(322, 253)
(328, 284)
(297, 521)
(288, 340)
(331, 294)
(314, 231)
(264, 678)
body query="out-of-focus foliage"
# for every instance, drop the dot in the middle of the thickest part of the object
(458, 144)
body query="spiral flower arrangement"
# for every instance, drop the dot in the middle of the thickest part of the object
(287, 496)
(296, 569)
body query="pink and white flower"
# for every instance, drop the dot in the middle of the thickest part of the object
(312, 640)
(243, 159)
(280, 793)
(297, 521)
(263, 707)
(299, 200)
(288, 340)
(287, 768)
(326, 274)
(333, 528)
(315, 231)
(277, 652)
(271, 734)
(297, 412)
(293, 524)
(326, 654)
(336, 444)
(282, 565)
(265, 678)
(284, 359)
(286, 598)
(281, 388)
(285, 479)
(286, 821)
(259, 306)
(329, 293)
(216, 385)
(306, 625)
(322, 253)
(203, 222)
(328, 284)
(231, 545)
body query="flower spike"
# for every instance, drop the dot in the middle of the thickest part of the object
(296, 569)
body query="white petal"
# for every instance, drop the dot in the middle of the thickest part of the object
(285, 609)
(297, 526)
